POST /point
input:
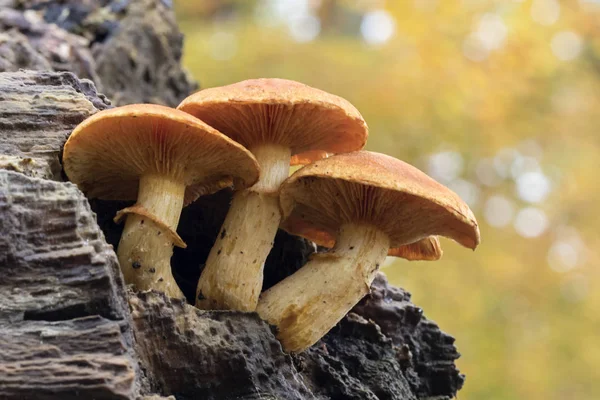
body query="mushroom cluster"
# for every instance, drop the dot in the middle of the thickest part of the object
(281, 122)
(364, 206)
(367, 206)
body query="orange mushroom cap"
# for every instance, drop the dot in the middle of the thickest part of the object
(373, 188)
(278, 111)
(107, 153)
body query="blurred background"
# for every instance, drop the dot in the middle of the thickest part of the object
(500, 101)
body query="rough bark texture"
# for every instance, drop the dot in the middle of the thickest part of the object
(64, 320)
(68, 326)
(233, 354)
(39, 111)
(131, 49)
(430, 352)
(65, 359)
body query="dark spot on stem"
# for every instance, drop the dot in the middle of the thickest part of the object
(201, 296)
(376, 265)
(158, 234)
(160, 279)
(142, 222)
(254, 262)
(351, 247)
(152, 270)
(241, 252)
(219, 252)
(223, 233)
(136, 265)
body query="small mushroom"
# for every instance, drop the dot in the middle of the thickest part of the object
(165, 159)
(370, 205)
(280, 122)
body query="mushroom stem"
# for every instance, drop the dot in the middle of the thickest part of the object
(146, 244)
(233, 275)
(307, 304)
(274, 162)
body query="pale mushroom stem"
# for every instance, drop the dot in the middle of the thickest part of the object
(233, 275)
(307, 304)
(146, 247)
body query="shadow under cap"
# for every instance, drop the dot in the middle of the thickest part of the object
(107, 153)
(309, 121)
(372, 188)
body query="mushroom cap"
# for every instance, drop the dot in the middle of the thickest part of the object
(373, 188)
(279, 111)
(107, 153)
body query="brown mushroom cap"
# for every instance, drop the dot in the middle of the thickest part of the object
(107, 153)
(367, 187)
(309, 121)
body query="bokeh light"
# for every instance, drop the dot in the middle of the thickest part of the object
(304, 28)
(377, 27)
(533, 187)
(445, 166)
(468, 191)
(566, 46)
(499, 211)
(531, 222)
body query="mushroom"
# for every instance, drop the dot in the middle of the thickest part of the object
(280, 122)
(370, 205)
(165, 159)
